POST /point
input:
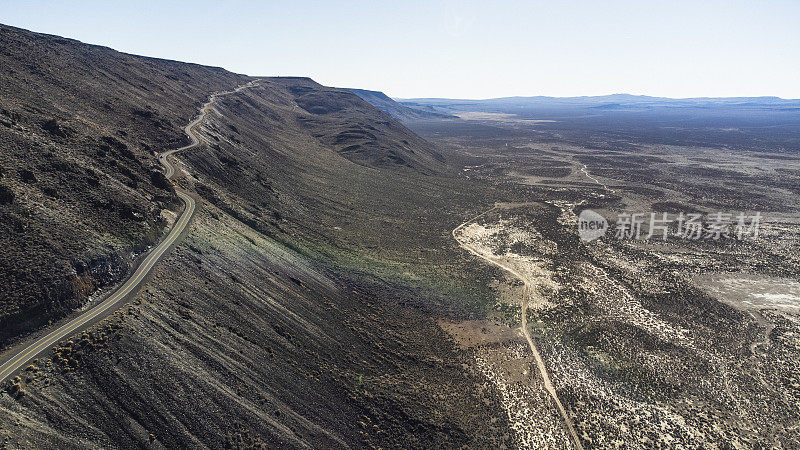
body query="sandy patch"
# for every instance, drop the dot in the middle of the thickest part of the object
(477, 115)
(751, 291)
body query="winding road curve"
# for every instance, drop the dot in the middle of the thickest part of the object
(25, 352)
(523, 327)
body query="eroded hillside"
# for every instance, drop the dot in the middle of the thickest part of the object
(301, 307)
(81, 190)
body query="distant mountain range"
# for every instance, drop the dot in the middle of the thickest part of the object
(610, 102)
(660, 111)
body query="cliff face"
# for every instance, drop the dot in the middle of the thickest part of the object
(300, 310)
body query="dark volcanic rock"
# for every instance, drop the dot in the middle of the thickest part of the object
(6, 195)
(351, 126)
(27, 176)
(56, 94)
(285, 319)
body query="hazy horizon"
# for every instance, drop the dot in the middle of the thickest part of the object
(582, 230)
(459, 49)
(592, 96)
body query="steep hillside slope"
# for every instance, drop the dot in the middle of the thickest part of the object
(240, 342)
(301, 308)
(81, 191)
(355, 129)
(400, 112)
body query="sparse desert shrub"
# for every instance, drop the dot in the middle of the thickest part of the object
(114, 143)
(92, 178)
(159, 180)
(83, 285)
(27, 176)
(6, 195)
(127, 212)
(142, 113)
(54, 128)
(127, 172)
(16, 387)
(230, 162)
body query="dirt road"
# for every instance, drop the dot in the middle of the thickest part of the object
(21, 355)
(526, 295)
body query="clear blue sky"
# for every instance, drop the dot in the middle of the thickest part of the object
(459, 49)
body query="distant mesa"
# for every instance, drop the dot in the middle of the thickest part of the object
(357, 129)
(400, 112)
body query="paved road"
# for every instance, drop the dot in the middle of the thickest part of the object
(25, 352)
(523, 327)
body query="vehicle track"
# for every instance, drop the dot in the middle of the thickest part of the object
(526, 293)
(22, 354)
(585, 171)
